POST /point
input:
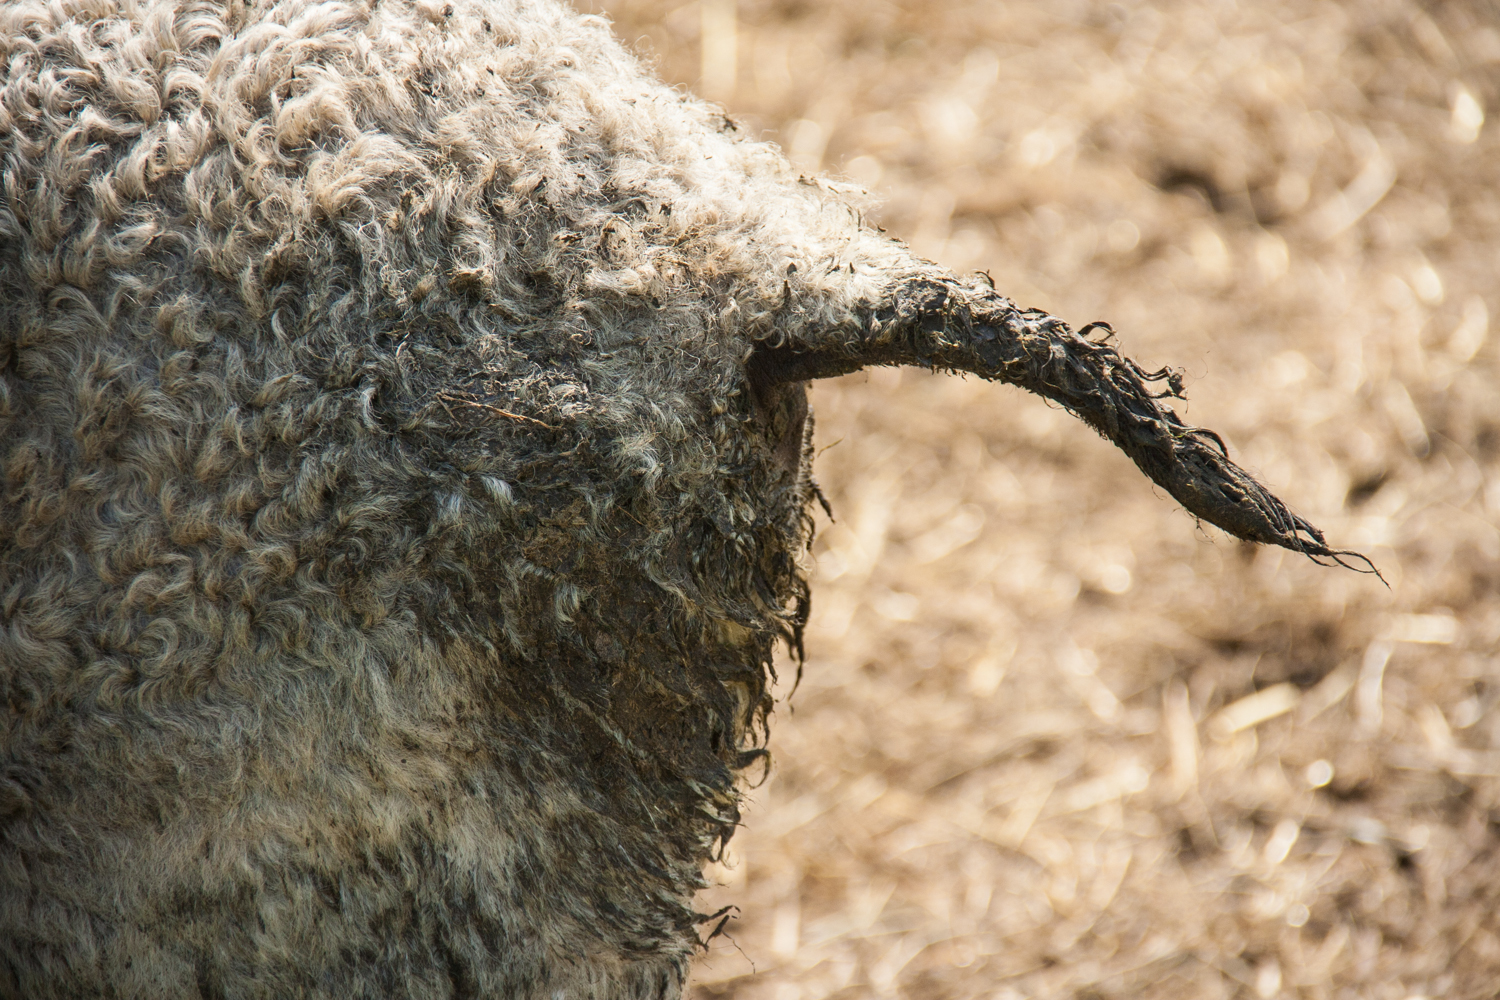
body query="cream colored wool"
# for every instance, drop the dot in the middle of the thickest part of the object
(395, 525)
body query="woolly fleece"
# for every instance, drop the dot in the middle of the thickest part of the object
(406, 469)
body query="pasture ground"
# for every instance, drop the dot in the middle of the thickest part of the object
(1053, 739)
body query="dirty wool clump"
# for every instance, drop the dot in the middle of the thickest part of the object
(406, 468)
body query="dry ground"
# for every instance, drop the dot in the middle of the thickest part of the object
(1054, 739)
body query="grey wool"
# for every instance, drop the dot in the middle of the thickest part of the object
(406, 476)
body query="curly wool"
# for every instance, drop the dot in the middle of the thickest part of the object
(391, 548)
(406, 469)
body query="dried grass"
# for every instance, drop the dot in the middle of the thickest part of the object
(1052, 740)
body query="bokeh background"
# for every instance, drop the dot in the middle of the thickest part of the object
(1054, 739)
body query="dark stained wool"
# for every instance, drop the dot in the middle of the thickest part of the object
(406, 471)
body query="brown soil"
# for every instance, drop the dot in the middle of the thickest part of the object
(1054, 739)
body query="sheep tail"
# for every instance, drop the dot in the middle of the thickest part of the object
(944, 324)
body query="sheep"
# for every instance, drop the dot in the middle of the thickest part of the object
(407, 474)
